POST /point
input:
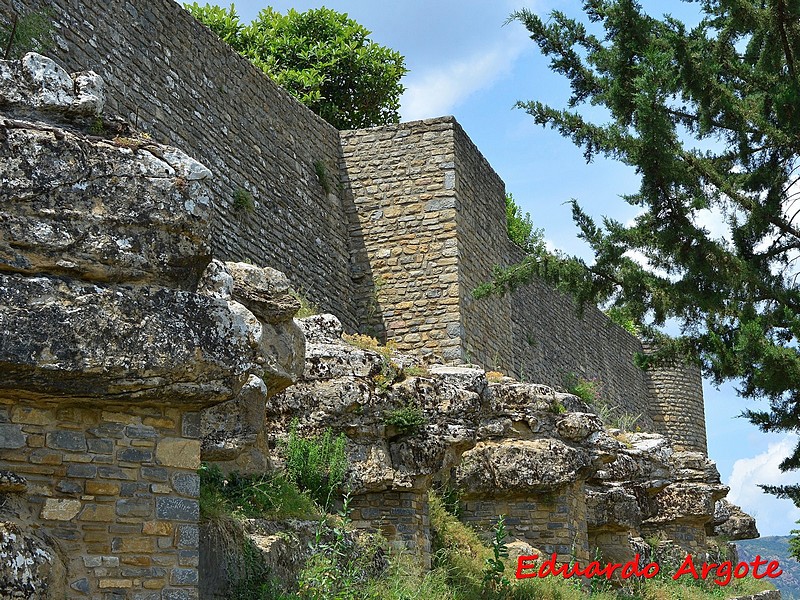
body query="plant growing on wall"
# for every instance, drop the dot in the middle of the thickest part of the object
(22, 33)
(322, 57)
(520, 227)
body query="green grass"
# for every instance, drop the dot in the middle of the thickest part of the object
(459, 558)
(268, 496)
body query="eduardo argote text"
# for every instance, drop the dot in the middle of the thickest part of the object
(721, 573)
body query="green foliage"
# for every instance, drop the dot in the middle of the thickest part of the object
(407, 419)
(709, 116)
(495, 581)
(322, 174)
(621, 317)
(338, 566)
(243, 200)
(322, 57)
(317, 464)
(587, 390)
(520, 228)
(307, 307)
(250, 496)
(224, 22)
(20, 34)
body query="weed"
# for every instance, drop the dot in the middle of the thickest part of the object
(243, 200)
(494, 376)
(317, 464)
(27, 33)
(587, 390)
(416, 371)
(338, 567)
(98, 127)
(366, 342)
(250, 496)
(307, 307)
(407, 419)
(495, 581)
(322, 174)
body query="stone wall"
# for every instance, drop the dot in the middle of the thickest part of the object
(115, 486)
(173, 78)
(402, 181)
(431, 226)
(553, 522)
(401, 517)
(391, 228)
(486, 326)
(677, 406)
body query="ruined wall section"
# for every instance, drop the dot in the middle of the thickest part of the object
(173, 78)
(403, 228)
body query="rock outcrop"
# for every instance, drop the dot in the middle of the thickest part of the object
(566, 483)
(110, 349)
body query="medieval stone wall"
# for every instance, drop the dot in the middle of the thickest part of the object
(482, 244)
(173, 78)
(391, 228)
(402, 181)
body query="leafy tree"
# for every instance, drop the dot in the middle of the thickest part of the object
(709, 116)
(520, 227)
(322, 57)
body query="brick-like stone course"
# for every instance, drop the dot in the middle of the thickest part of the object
(401, 516)
(412, 220)
(553, 522)
(403, 223)
(95, 484)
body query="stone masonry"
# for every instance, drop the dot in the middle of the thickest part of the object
(390, 228)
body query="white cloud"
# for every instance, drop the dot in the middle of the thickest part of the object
(773, 516)
(437, 91)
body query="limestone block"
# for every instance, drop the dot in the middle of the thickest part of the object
(731, 522)
(29, 568)
(85, 208)
(321, 329)
(60, 509)
(178, 452)
(520, 466)
(36, 82)
(73, 338)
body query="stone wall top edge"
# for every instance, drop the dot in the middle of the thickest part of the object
(213, 40)
(516, 254)
(402, 125)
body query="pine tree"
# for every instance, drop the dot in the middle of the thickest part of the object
(729, 83)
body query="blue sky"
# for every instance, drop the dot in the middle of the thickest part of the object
(463, 61)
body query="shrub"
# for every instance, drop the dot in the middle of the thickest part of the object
(520, 228)
(317, 464)
(587, 390)
(494, 376)
(307, 307)
(407, 419)
(495, 581)
(243, 200)
(21, 34)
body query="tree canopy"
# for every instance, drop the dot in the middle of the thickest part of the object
(709, 116)
(322, 57)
